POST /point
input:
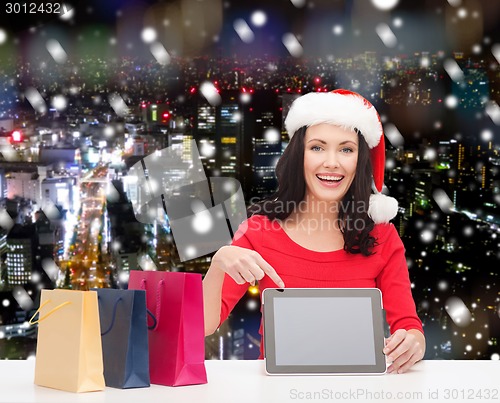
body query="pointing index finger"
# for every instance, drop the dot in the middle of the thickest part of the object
(269, 270)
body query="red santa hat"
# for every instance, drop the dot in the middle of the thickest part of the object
(351, 111)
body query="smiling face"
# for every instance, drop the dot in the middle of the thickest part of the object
(330, 159)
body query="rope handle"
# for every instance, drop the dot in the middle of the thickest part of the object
(156, 317)
(113, 317)
(34, 322)
(155, 322)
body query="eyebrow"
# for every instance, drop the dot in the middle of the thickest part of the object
(340, 144)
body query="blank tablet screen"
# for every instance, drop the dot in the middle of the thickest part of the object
(323, 331)
(303, 324)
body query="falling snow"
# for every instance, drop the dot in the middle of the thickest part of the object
(22, 298)
(493, 111)
(292, 44)
(385, 5)
(453, 69)
(56, 51)
(36, 100)
(3, 36)
(258, 18)
(243, 30)
(386, 35)
(59, 102)
(394, 135)
(202, 221)
(442, 200)
(337, 30)
(210, 93)
(118, 104)
(148, 35)
(51, 269)
(458, 311)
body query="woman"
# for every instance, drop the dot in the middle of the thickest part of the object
(323, 227)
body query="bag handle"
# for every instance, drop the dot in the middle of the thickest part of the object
(113, 317)
(34, 322)
(156, 317)
(155, 322)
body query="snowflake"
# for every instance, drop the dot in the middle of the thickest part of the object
(56, 51)
(50, 267)
(209, 91)
(453, 70)
(148, 35)
(190, 251)
(292, 44)
(36, 100)
(298, 3)
(22, 298)
(451, 101)
(394, 135)
(258, 18)
(160, 53)
(427, 236)
(337, 29)
(3, 36)
(59, 102)
(386, 35)
(68, 12)
(486, 135)
(118, 104)
(458, 311)
(202, 221)
(243, 30)
(493, 111)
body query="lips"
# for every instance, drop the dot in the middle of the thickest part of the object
(330, 178)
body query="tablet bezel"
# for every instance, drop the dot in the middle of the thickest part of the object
(375, 295)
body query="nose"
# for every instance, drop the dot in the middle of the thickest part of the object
(331, 161)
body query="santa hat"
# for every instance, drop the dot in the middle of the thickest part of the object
(351, 111)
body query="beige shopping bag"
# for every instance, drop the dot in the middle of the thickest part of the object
(68, 351)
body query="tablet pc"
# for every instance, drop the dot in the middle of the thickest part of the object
(323, 331)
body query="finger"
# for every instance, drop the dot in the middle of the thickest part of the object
(401, 360)
(257, 272)
(268, 269)
(410, 363)
(392, 342)
(247, 275)
(400, 350)
(237, 277)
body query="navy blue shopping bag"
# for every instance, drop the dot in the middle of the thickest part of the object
(124, 335)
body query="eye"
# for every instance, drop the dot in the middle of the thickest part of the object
(347, 150)
(316, 148)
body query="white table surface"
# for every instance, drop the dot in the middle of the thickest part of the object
(246, 381)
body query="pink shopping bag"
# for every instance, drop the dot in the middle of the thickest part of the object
(177, 339)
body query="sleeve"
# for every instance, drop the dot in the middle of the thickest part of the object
(394, 282)
(231, 291)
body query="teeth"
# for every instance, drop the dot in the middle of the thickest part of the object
(329, 178)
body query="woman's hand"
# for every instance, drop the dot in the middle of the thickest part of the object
(244, 265)
(404, 348)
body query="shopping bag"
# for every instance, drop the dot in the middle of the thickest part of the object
(68, 351)
(177, 339)
(124, 336)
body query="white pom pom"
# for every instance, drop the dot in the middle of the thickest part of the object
(382, 208)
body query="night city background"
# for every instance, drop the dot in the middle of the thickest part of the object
(87, 94)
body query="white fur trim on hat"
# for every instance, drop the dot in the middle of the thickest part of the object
(382, 208)
(345, 110)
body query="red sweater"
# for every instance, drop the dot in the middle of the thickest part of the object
(299, 267)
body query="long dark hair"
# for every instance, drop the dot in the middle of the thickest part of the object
(356, 225)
